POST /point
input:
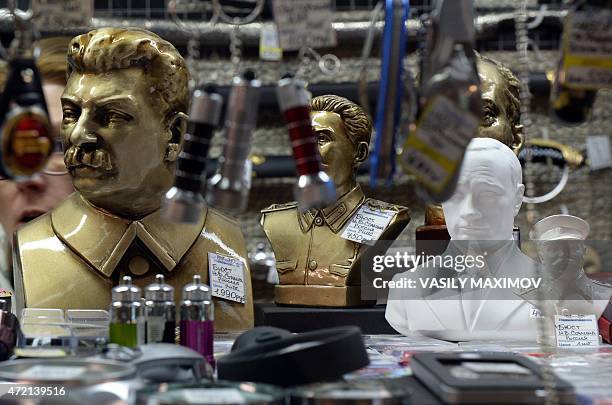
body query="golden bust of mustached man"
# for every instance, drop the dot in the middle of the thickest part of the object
(123, 123)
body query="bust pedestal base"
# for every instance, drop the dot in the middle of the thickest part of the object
(371, 320)
(320, 296)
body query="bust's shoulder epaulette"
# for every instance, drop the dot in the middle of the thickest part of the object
(222, 215)
(385, 206)
(280, 207)
(527, 291)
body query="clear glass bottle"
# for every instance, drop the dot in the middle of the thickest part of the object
(160, 312)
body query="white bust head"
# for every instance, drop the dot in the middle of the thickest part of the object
(488, 194)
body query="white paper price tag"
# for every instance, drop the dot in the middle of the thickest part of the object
(304, 23)
(598, 151)
(534, 312)
(367, 225)
(62, 13)
(576, 331)
(226, 275)
(269, 47)
(587, 47)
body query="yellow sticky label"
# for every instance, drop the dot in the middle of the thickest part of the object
(269, 47)
(587, 50)
(434, 151)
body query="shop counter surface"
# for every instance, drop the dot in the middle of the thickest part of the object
(589, 370)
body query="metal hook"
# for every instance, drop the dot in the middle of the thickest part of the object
(194, 31)
(538, 19)
(218, 10)
(328, 63)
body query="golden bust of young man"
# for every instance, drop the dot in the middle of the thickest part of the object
(317, 265)
(123, 122)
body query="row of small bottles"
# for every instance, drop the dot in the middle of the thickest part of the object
(135, 321)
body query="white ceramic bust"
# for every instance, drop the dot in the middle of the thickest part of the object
(480, 218)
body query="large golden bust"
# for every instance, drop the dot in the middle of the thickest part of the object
(317, 265)
(123, 122)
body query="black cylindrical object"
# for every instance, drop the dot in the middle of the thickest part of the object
(184, 201)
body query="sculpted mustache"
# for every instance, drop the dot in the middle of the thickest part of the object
(99, 158)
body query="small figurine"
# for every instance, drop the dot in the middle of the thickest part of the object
(317, 252)
(480, 218)
(124, 118)
(565, 290)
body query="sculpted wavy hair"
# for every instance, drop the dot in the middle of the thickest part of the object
(357, 123)
(107, 49)
(513, 87)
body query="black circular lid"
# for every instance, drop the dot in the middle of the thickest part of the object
(322, 355)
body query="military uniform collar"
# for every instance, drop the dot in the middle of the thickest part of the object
(336, 215)
(102, 239)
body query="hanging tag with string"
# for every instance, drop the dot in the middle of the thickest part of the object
(450, 103)
(304, 23)
(269, 45)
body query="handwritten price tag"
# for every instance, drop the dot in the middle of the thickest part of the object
(367, 225)
(226, 275)
(576, 331)
(304, 23)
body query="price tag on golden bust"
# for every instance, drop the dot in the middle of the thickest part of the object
(226, 276)
(434, 151)
(304, 23)
(587, 49)
(576, 331)
(367, 225)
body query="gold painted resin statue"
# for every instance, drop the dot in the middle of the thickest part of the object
(316, 260)
(123, 122)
